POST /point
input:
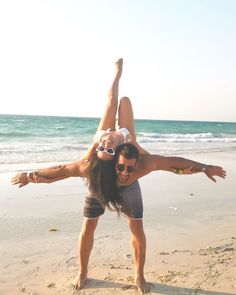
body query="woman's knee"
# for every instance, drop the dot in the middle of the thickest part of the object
(125, 100)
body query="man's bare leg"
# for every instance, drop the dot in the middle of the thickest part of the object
(85, 246)
(109, 116)
(138, 243)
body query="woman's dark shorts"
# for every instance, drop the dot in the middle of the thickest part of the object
(132, 203)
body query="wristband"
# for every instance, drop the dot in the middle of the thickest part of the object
(203, 167)
(35, 177)
(32, 178)
(28, 176)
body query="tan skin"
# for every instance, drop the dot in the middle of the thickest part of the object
(146, 164)
(111, 139)
(149, 163)
(125, 118)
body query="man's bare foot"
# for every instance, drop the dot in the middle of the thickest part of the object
(142, 286)
(119, 66)
(79, 282)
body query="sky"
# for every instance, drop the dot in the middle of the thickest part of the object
(57, 57)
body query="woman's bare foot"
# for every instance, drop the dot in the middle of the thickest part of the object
(119, 66)
(142, 286)
(79, 282)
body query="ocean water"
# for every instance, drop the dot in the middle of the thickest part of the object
(44, 139)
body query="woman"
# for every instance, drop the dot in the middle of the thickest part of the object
(101, 172)
(97, 164)
(98, 167)
(105, 174)
(107, 137)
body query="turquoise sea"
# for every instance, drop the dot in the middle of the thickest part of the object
(44, 139)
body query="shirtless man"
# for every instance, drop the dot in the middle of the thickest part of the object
(106, 141)
(129, 167)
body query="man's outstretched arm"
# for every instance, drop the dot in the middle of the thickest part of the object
(178, 165)
(50, 174)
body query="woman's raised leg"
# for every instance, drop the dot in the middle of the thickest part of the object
(126, 120)
(126, 116)
(109, 116)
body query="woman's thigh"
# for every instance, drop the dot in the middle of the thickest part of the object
(125, 116)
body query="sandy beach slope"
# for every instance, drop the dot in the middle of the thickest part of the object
(190, 225)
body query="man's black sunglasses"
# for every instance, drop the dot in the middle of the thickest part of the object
(122, 167)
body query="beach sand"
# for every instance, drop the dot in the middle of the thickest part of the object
(190, 225)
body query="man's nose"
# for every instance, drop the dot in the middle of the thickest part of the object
(125, 172)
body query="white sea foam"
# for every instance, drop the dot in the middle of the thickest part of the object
(35, 139)
(199, 137)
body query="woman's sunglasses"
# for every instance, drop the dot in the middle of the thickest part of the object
(122, 167)
(109, 151)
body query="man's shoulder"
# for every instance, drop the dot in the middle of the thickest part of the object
(147, 163)
(145, 160)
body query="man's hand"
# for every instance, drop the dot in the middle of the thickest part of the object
(212, 171)
(20, 178)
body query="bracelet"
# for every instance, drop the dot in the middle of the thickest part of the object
(32, 178)
(35, 177)
(28, 176)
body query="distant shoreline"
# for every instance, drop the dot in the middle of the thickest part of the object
(136, 119)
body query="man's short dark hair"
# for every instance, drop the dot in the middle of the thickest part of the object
(128, 150)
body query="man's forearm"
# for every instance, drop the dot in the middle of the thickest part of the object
(50, 172)
(172, 164)
(178, 164)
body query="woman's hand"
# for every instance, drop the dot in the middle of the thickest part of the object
(20, 178)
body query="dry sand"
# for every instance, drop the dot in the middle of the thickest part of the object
(190, 225)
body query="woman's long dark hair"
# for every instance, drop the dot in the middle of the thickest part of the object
(102, 181)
